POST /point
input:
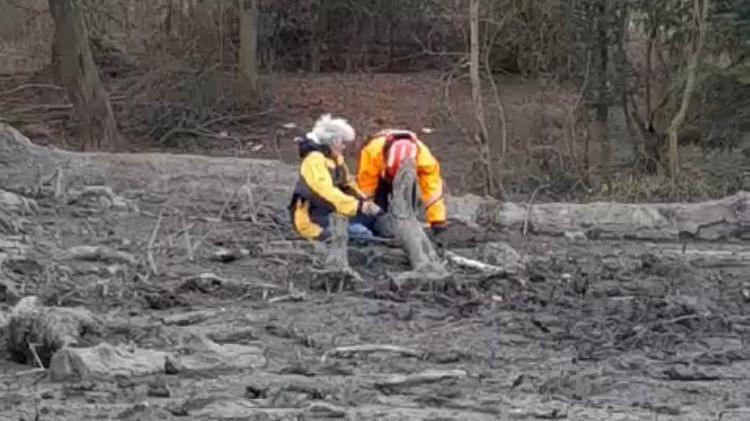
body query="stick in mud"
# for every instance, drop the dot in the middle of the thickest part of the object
(428, 376)
(481, 266)
(371, 348)
(100, 253)
(150, 248)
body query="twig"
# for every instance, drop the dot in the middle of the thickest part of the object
(294, 295)
(150, 247)
(93, 253)
(484, 267)
(30, 86)
(428, 376)
(23, 373)
(32, 348)
(59, 189)
(473, 264)
(370, 348)
(188, 243)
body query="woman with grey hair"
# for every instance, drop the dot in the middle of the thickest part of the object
(324, 183)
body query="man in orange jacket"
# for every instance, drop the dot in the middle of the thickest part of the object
(379, 161)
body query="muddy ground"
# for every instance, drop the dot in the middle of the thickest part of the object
(601, 331)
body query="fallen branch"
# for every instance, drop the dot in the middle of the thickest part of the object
(510, 270)
(99, 253)
(430, 376)
(209, 282)
(474, 264)
(32, 348)
(24, 86)
(345, 351)
(293, 295)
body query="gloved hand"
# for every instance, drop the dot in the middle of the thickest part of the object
(369, 208)
(438, 227)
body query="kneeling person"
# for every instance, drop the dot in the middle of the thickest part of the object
(324, 185)
(379, 162)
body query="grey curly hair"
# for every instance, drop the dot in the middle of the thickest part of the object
(328, 130)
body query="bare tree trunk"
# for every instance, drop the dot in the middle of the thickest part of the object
(249, 46)
(167, 24)
(602, 108)
(221, 32)
(622, 72)
(81, 77)
(700, 17)
(320, 15)
(481, 134)
(649, 71)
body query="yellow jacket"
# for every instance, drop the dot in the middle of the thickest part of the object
(324, 186)
(371, 170)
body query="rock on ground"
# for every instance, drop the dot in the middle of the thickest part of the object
(195, 353)
(105, 360)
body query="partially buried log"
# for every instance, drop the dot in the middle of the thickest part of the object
(427, 266)
(726, 218)
(24, 165)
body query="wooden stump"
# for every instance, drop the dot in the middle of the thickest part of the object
(425, 262)
(35, 332)
(336, 274)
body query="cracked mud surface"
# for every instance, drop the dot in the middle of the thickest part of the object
(603, 330)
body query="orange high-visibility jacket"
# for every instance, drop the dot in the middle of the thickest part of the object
(372, 169)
